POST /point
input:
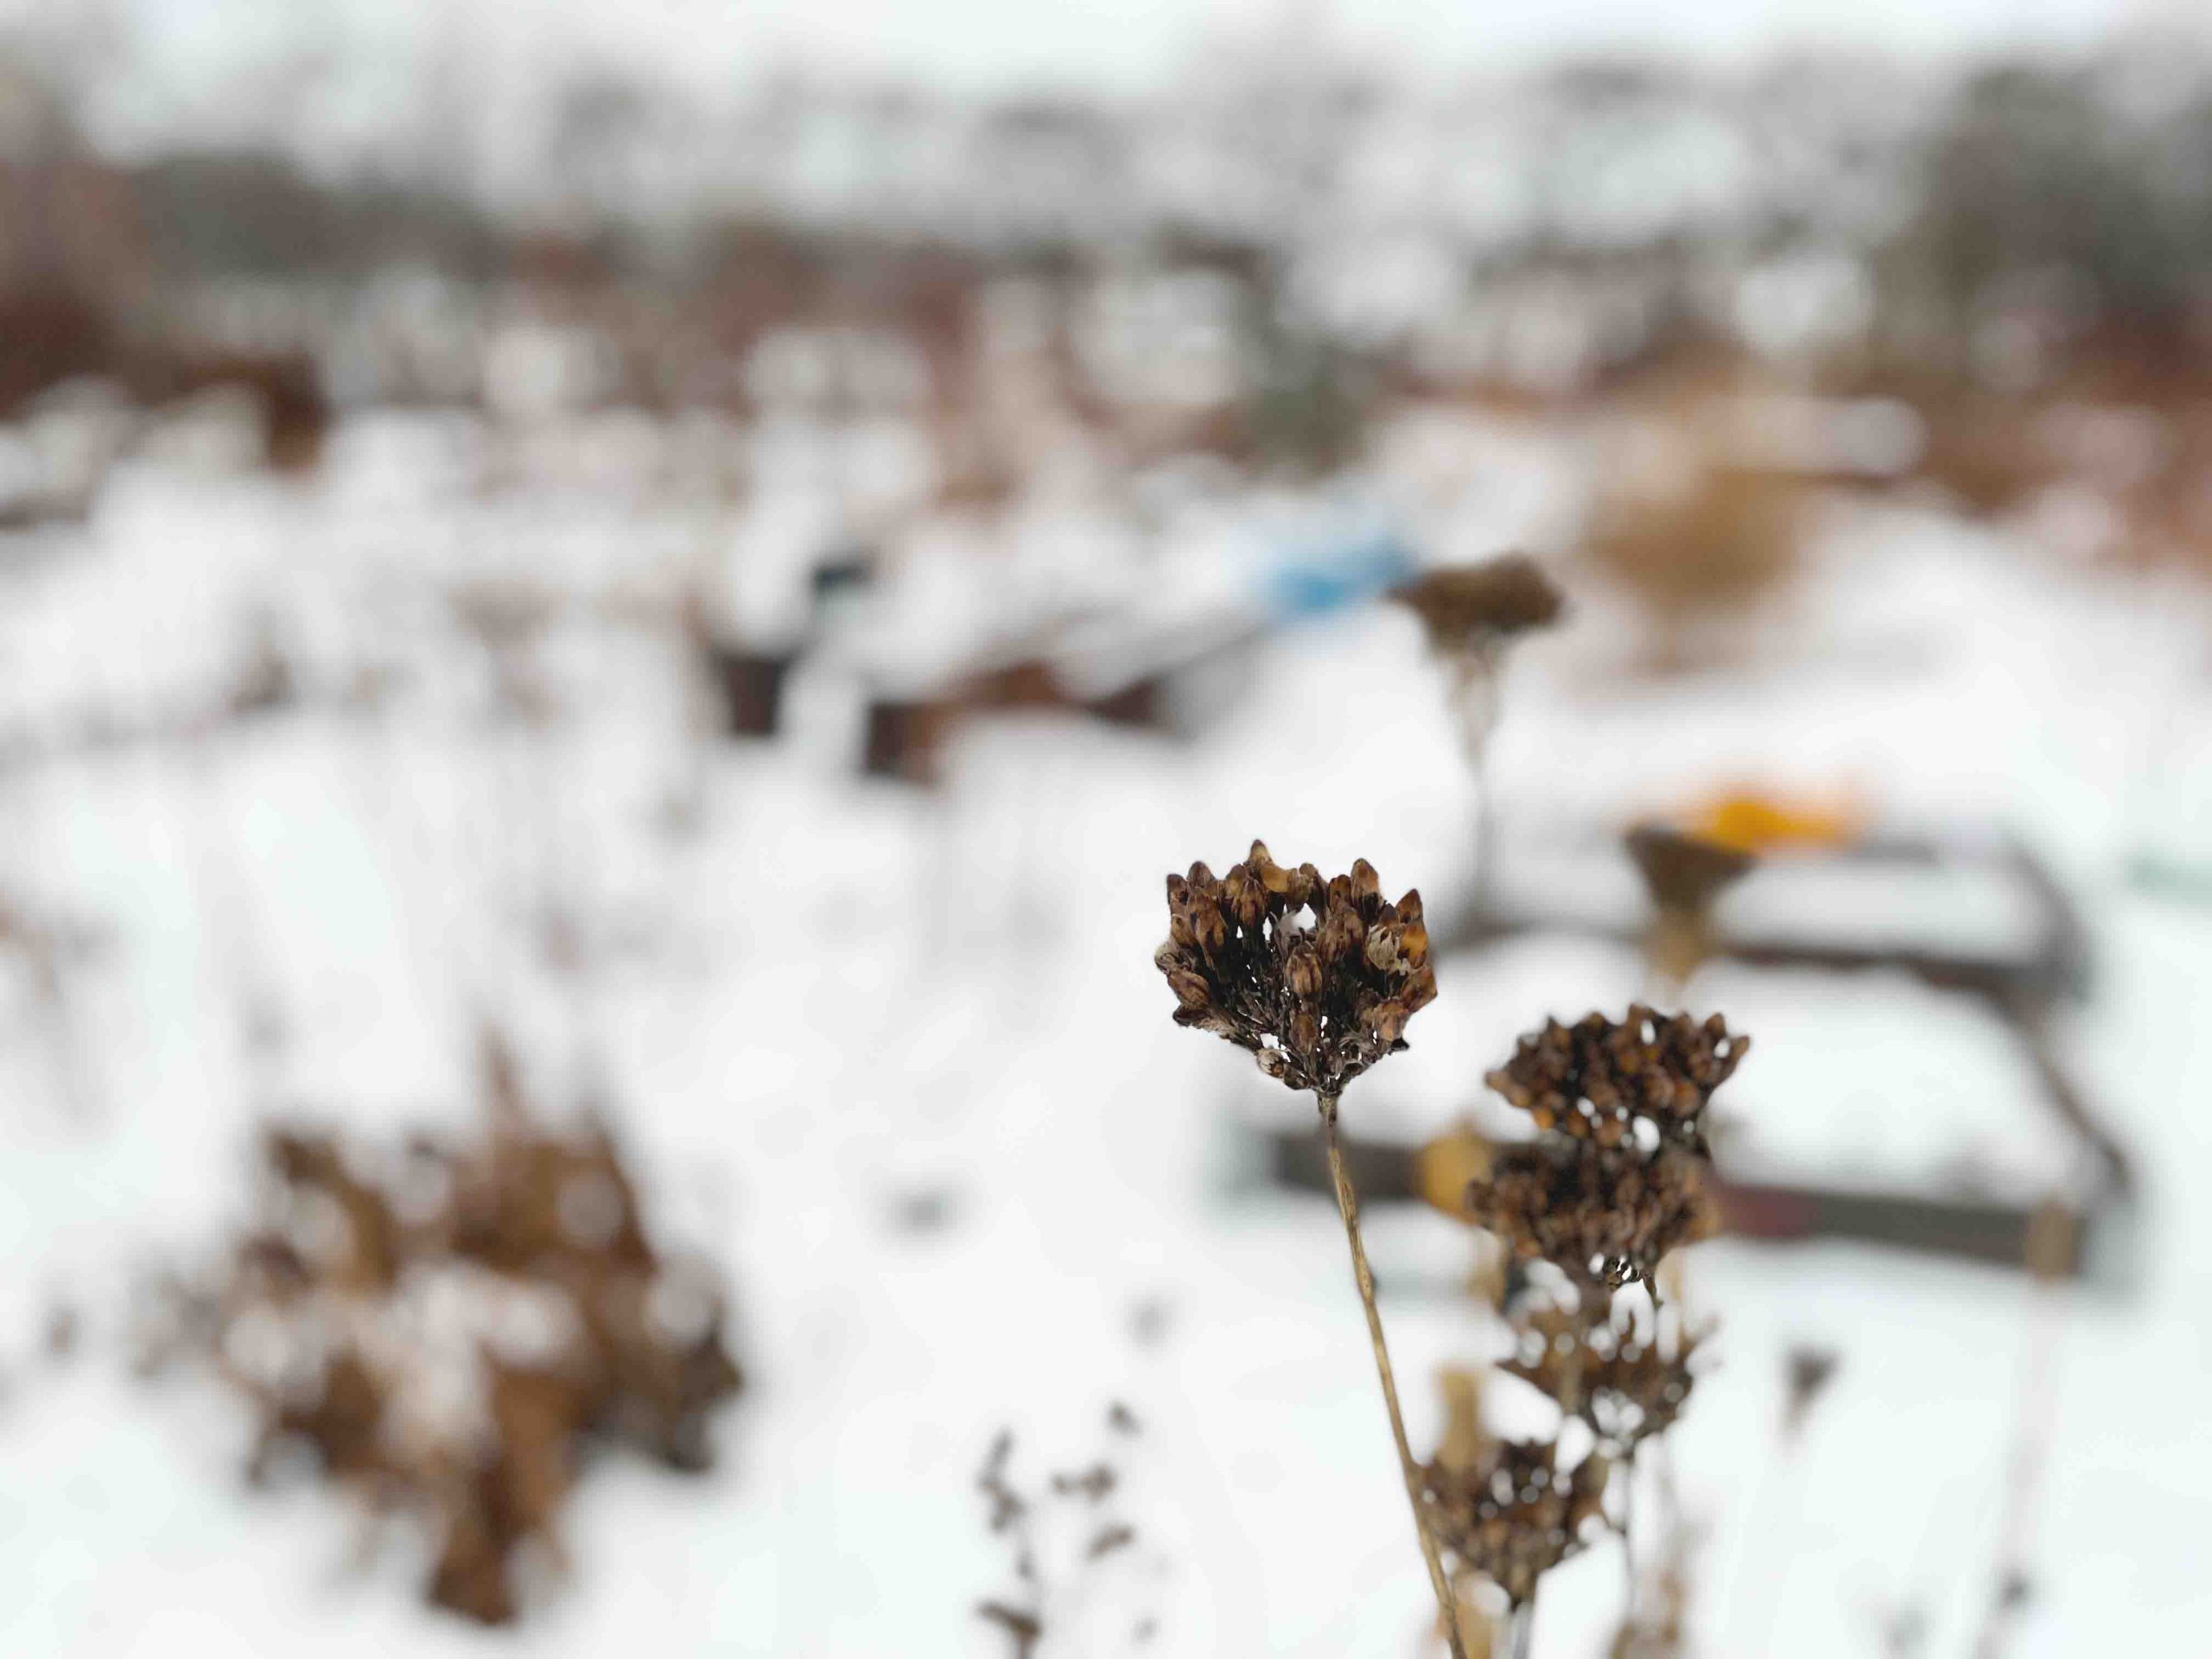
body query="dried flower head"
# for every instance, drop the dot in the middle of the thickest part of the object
(1317, 978)
(1627, 1384)
(1598, 1078)
(1514, 1514)
(1617, 1179)
(1463, 606)
(1471, 613)
(1604, 1215)
(1684, 873)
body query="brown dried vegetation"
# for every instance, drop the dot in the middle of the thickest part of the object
(1078, 1503)
(1626, 1383)
(1315, 1001)
(1684, 872)
(1612, 1182)
(1514, 1514)
(1719, 543)
(1316, 978)
(1464, 605)
(1617, 1176)
(448, 1330)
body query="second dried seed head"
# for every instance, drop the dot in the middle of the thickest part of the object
(1616, 1178)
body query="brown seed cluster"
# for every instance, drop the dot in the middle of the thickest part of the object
(1627, 1384)
(1514, 1514)
(1464, 605)
(448, 1332)
(1615, 1178)
(1604, 1215)
(1594, 1079)
(1316, 977)
(1612, 1182)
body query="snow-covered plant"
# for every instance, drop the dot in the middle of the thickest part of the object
(453, 1330)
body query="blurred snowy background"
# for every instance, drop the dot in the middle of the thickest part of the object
(732, 550)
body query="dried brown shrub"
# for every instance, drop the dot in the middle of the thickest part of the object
(448, 1330)
(1718, 543)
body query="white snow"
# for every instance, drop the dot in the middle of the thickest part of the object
(820, 999)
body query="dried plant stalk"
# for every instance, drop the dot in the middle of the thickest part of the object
(1612, 1184)
(1363, 1276)
(1684, 875)
(2050, 1245)
(1524, 1627)
(1316, 978)
(1472, 615)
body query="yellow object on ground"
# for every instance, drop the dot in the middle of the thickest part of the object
(1448, 1167)
(1759, 821)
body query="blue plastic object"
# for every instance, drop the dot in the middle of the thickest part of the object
(1330, 574)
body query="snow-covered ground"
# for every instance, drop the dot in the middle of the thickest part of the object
(822, 1008)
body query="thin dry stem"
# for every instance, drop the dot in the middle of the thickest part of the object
(1485, 830)
(2049, 1244)
(1348, 1206)
(1524, 1627)
(1628, 1533)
